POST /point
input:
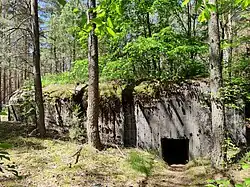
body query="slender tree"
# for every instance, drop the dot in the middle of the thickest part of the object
(93, 88)
(218, 117)
(1, 59)
(36, 64)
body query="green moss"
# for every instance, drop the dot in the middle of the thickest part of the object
(110, 89)
(145, 88)
(59, 91)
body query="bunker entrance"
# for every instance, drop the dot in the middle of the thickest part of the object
(175, 151)
(247, 110)
(248, 135)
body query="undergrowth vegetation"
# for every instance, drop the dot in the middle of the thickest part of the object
(48, 162)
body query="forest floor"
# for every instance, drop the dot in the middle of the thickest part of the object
(50, 163)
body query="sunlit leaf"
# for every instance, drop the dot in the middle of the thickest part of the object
(185, 2)
(76, 10)
(98, 8)
(247, 181)
(237, 2)
(101, 14)
(238, 185)
(245, 166)
(88, 28)
(97, 21)
(97, 31)
(110, 24)
(110, 31)
(118, 9)
(198, 5)
(245, 3)
(211, 7)
(202, 17)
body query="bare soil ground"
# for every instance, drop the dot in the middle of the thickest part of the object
(49, 163)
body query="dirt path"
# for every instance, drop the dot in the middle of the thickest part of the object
(180, 176)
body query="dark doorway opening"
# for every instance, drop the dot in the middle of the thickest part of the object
(247, 110)
(175, 151)
(248, 135)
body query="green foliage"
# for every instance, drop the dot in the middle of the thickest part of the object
(246, 183)
(4, 113)
(243, 3)
(231, 93)
(78, 74)
(148, 40)
(79, 71)
(141, 162)
(77, 130)
(165, 56)
(241, 70)
(231, 149)
(245, 161)
(220, 183)
(236, 88)
(245, 164)
(60, 78)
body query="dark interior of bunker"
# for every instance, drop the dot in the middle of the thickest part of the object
(175, 151)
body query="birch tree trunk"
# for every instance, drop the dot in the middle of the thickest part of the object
(37, 73)
(1, 59)
(218, 111)
(228, 52)
(93, 88)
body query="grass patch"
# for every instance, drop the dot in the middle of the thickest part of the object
(48, 162)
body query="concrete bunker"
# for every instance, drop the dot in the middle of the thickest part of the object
(176, 123)
(175, 151)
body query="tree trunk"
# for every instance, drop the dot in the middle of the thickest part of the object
(189, 20)
(0, 85)
(9, 72)
(1, 11)
(228, 52)
(93, 88)
(148, 25)
(37, 73)
(9, 83)
(4, 85)
(2, 65)
(55, 57)
(218, 111)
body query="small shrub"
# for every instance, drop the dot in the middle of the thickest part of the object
(77, 130)
(220, 183)
(141, 163)
(246, 183)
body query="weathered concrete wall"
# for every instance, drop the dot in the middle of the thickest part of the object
(111, 121)
(184, 114)
(180, 112)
